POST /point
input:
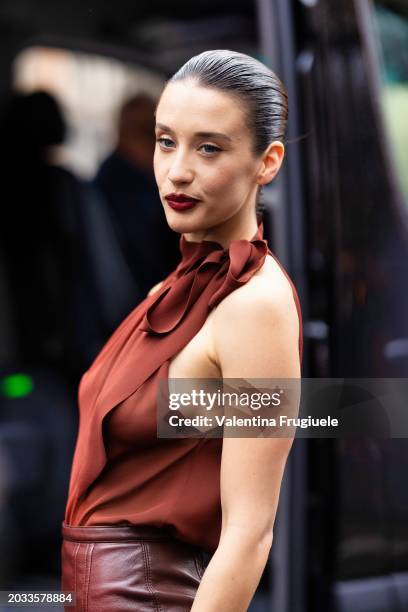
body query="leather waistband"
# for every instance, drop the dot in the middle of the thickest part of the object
(113, 533)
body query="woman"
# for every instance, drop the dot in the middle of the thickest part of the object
(180, 524)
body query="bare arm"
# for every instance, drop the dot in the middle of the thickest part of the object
(255, 336)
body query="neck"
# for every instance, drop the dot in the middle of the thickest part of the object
(227, 231)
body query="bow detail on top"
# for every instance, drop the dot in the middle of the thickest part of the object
(204, 265)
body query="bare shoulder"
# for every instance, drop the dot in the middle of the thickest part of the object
(255, 329)
(269, 287)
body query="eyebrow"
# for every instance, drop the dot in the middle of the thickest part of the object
(166, 128)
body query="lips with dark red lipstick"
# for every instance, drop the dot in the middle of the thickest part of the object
(181, 201)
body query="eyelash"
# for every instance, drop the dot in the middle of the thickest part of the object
(215, 149)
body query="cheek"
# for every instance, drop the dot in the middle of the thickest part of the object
(231, 177)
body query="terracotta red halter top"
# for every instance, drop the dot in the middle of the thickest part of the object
(121, 472)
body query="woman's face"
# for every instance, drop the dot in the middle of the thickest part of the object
(203, 150)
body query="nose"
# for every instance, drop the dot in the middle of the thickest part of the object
(180, 170)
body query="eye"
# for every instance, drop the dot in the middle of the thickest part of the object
(211, 148)
(165, 142)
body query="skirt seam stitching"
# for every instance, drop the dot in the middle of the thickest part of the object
(75, 569)
(148, 580)
(88, 575)
(83, 603)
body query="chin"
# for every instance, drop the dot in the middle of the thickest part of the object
(185, 222)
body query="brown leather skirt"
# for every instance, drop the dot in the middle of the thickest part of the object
(140, 568)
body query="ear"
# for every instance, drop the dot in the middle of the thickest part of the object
(271, 162)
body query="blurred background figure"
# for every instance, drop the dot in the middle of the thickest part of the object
(126, 181)
(36, 232)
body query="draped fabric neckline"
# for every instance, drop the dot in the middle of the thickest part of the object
(172, 302)
(152, 333)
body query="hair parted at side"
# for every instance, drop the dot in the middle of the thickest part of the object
(262, 94)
